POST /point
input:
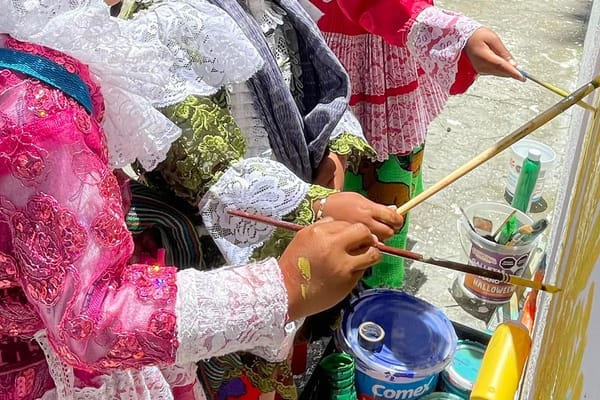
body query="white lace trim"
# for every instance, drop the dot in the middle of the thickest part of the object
(135, 70)
(147, 383)
(233, 309)
(210, 49)
(437, 38)
(255, 185)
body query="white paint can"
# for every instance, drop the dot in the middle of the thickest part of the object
(518, 153)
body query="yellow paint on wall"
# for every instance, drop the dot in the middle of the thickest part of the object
(559, 374)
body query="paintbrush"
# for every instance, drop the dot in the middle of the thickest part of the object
(556, 90)
(504, 143)
(527, 233)
(455, 266)
(504, 223)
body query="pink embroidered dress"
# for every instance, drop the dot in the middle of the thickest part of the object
(404, 58)
(77, 319)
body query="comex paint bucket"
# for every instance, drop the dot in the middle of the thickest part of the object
(490, 255)
(518, 153)
(409, 342)
(458, 377)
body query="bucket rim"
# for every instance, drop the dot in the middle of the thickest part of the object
(390, 371)
(512, 250)
(535, 144)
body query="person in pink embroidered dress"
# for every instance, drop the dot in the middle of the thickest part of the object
(404, 58)
(77, 319)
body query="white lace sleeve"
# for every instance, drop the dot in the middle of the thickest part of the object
(255, 185)
(210, 49)
(348, 124)
(437, 39)
(233, 309)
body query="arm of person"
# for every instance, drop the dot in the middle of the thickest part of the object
(437, 37)
(71, 248)
(347, 144)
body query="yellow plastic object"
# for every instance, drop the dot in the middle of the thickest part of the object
(503, 363)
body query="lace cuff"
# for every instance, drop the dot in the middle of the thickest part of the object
(437, 39)
(242, 308)
(255, 185)
(303, 215)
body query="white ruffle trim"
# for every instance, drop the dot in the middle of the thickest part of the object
(150, 61)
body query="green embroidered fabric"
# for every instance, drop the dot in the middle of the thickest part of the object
(347, 143)
(209, 144)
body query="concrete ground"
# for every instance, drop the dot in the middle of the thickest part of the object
(546, 38)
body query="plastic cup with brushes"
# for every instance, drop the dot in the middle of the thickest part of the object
(506, 248)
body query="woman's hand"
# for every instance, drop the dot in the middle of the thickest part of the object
(330, 173)
(323, 263)
(489, 56)
(383, 221)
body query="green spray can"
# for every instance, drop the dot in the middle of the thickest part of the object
(527, 180)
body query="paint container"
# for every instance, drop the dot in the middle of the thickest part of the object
(503, 363)
(418, 343)
(490, 255)
(441, 396)
(518, 153)
(459, 377)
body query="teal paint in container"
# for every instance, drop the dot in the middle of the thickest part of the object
(458, 377)
(417, 343)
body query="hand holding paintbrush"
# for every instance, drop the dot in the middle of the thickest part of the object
(469, 269)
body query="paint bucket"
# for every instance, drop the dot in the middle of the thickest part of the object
(441, 396)
(518, 153)
(458, 377)
(418, 343)
(490, 255)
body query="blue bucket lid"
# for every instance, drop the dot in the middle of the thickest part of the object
(419, 339)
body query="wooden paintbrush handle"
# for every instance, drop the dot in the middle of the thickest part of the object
(503, 144)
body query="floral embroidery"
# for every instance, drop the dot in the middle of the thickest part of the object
(47, 240)
(79, 327)
(132, 350)
(25, 159)
(109, 188)
(8, 271)
(82, 121)
(109, 229)
(43, 101)
(162, 324)
(152, 283)
(71, 65)
(17, 316)
(209, 144)
(349, 144)
(24, 384)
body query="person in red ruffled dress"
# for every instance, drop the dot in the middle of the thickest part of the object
(404, 58)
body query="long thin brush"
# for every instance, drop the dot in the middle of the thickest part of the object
(555, 89)
(503, 144)
(455, 266)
